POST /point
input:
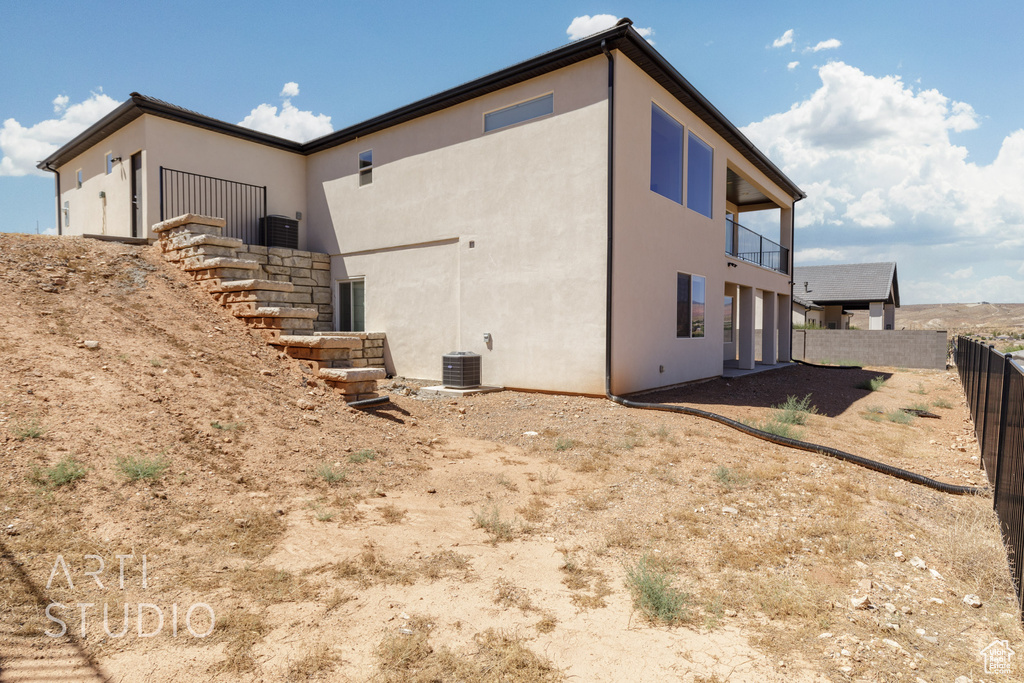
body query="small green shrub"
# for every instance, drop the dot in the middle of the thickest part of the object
(654, 593)
(156, 362)
(363, 455)
(630, 441)
(942, 403)
(563, 444)
(794, 411)
(329, 473)
(900, 417)
(490, 520)
(28, 430)
(227, 426)
(729, 478)
(66, 471)
(873, 384)
(135, 468)
(919, 389)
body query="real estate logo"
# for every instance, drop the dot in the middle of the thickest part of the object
(149, 618)
(998, 656)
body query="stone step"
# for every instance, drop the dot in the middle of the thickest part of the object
(219, 262)
(280, 326)
(206, 251)
(318, 341)
(280, 312)
(184, 241)
(352, 374)
(219, 274)
(203, 224)
(251, 284)
(256, 298)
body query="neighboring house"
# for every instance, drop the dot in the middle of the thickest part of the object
(807, 313)
(839, 289)
(570, 218)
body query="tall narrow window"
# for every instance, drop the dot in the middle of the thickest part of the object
(67, 215)
(78, 177)
(351, 306)
(366, 167)
(110, 162)
(728, 327)
(699, 173)
(666, 155)
(517, 113)
(689, 305)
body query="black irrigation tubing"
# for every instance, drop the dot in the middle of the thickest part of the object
(369, 402)
(829, 367)
(890, 470)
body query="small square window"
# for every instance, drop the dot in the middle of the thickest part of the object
(78, 176)
(366, 167)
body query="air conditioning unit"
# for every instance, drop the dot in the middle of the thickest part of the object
(460, 370)
(280, 231)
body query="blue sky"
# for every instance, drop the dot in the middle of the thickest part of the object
(903, 121)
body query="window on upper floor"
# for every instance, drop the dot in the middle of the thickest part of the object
(666, 155)
(67, 214)
(78, 178)
(517, 113)
(690, 296)
(700, 160)
(366, 167)
(109, 161)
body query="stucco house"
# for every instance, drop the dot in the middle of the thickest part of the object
(576, 218)
(838, 289)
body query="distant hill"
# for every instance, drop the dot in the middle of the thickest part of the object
(979, 318)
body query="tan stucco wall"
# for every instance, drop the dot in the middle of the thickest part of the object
(89, 213)
(531, 198)
(656, 238)
(181, 147)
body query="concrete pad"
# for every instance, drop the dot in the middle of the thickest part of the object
(441, 390)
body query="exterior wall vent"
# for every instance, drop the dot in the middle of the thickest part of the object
(280, 231)
(460, 370)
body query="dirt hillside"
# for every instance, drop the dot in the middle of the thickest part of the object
(179, 503)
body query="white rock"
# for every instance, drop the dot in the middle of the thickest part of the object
(861, 603)
(963, 679)
(731, 511)
(937, 601)
(972, 600)
(890, 607)
(920, 631)
(935, 574)
(825, 635)
(531, 433)
(91, 344)
(730, 613)
(899, 556)
(918, 563)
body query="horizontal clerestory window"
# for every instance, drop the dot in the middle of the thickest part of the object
(690, 297)
(517, 113)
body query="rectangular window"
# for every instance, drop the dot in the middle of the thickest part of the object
(689, 305)
(699, 173)
(666, 155)
(728, 319)
(517, 113)
(110, 162)
(78, 176)
(67, 215)
(366, 167)
(351, 307)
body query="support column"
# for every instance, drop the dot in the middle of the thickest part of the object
(875, 315)
(769, 318)
(785, 325)
(746, 328)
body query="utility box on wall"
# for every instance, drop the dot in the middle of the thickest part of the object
(280, 231)
(460, 370)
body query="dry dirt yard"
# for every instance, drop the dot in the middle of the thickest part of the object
(509, 536)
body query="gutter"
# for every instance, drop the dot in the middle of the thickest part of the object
(56, 178)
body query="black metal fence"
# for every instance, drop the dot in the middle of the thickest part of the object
(994, 386)
(744, 243)
(241, 205)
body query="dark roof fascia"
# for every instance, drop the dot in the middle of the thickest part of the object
(566, 55)
(137, 105)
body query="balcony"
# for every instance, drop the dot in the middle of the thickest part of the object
(747, 245)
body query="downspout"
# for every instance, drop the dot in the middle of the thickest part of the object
(56, 178)
(611, 224)
(685, 410)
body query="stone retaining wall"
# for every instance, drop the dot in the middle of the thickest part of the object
(890, 348)
(309, 271)
(371, 354)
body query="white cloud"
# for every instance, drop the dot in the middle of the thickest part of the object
(792, 65)
(587, 25)
(830, 44)
(885, 181)
(291, 123)
(24, 146)
(784, 40)
(803, 256)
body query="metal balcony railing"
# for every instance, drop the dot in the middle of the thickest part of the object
(749, 246)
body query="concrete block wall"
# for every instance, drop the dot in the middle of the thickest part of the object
(371, 355)
(890, 348)
(309, 271)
